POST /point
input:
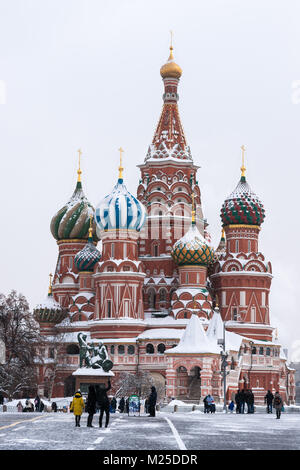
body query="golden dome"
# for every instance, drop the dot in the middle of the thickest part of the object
(171, 69)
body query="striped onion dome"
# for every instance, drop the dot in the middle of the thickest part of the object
(120, 210)
(73, 219)
(86, 258)
(192, 249)
(242, 206)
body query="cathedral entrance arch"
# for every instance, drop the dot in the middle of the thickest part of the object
(182, 382)
(195, 383)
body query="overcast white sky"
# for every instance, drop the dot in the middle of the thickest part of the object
(85, 73)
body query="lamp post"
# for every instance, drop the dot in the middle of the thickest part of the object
(251, 343)
(224, 364)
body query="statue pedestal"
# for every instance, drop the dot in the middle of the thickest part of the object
(86, 376)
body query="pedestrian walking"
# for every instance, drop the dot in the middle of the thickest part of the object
(122, 405)
(210, 404)
(206, 405)
(127, 405)
(238, 401)
(152, 401)
(269, 397)
(250, 401)
(242, 401)
(37, 402)
(231, 406)
(113, 405)
(19, 407)
(91, 405)
(1, 399)
(77, 407)
(103, 402)
(278, 404)
(54, 406)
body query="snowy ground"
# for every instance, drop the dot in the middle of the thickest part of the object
(167, 431)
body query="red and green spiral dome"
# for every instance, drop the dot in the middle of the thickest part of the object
(242, 207)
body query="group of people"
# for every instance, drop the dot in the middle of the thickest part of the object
(97, 399)
(242, 398)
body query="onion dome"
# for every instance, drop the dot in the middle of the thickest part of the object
(171, 69)
(192, 248)
(86, 258)
(120, 210)
(242, 206)
(73, 219)
(49, 311)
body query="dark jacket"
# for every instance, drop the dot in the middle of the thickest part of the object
(269, 397)
(101, 394)
(122, 405)
(113, 403)
(91, 401)
(152, 397)
(278, 403)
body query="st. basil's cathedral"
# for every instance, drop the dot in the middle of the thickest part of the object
(140, 274)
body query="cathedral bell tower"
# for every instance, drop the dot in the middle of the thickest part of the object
(168, 180)
(119, 277)
(242, 277)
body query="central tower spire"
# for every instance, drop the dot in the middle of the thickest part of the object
(169, 140)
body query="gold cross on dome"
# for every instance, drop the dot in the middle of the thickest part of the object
(193, 209)
(79, 170)
(50, 284)
(243, 169)
(121, 167)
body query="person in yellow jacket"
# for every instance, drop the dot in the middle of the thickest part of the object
(77, 407)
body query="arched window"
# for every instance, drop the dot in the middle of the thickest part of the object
(131, 349)
(162, 295)
(151, 298)
(72, 349)
(261, 351)
(161, 348)
(150, 348)
(253, 350)
(268, 352)
(112, 349)
(121, 349)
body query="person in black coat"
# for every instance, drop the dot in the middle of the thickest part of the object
(242, 401)
(250, 401)
(269, 397)
(103, 402)
(122, 405)
(152, 401)
(238, 401)
(91, 405)
(54, 406)
(113, 405)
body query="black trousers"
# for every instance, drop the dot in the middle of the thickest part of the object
(77, 420)
(104, 408)
(151, 409)
(90, 419)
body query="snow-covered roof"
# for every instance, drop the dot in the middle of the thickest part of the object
(162, 333)
(195, 340)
